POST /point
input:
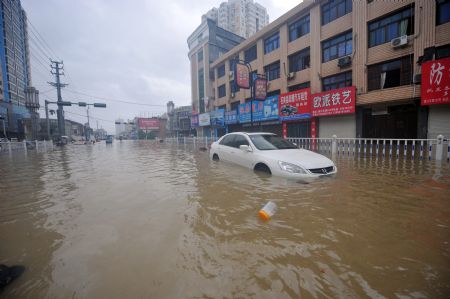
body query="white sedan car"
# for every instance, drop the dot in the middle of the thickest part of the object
(272, 154)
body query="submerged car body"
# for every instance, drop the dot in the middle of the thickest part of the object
(270, 153)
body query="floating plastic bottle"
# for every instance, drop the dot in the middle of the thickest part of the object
(268, 211)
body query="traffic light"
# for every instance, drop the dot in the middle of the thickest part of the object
(82, 104)
(99, 105)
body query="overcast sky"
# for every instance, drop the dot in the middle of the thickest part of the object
(133, 50)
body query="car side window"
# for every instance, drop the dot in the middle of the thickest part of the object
(228, 140)
(240, 140)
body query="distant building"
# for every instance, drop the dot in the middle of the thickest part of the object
(242, 17)
(100, 134)
(73, 129)
(120, 127)
(182, 120)
(15, 70)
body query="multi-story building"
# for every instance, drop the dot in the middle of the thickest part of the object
(182, 121)
(15, 71)
(206, 44)
(242, 17)
(375, 48)
(120, 127)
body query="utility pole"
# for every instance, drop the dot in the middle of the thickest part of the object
(48, 121)
(57, 67)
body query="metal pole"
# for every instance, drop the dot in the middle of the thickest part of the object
(60, 107)
(48, 121)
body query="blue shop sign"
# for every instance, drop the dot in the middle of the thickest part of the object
(217, 118)
(194, 120)
(231, 117)
(244, 113)
(270, 109)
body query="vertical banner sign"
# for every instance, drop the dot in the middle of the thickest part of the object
(313, 133)
(194, 120)
(258, 110)
(334, 102)
(295, 105)
(244, 113)
(435, 82)
(204, 119)
(284, 130)
(242, 76)
(260, 89)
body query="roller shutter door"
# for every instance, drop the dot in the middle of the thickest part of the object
(343, 126)
(439, 121)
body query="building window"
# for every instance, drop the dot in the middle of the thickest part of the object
(250, 54)
(272, 43)
(200, 55)
(222, 91)
(390, 74)
(299, 28)
(337, 81)
(386, 29)
(334, 9)
(443, 52)
(299, 86)
(201, 89)
(272, 71)
(337, 46)
(442, 11)
(221, 71)
(235, 105)
(299, 61)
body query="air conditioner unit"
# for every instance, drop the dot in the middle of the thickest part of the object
(231, 75)
(344, 61)
(291, 76)
(417, 79)
(399, 41)
(232, 94)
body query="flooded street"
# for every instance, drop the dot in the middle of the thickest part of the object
(149, 220)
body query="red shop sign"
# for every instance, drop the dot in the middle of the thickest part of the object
(242, 76)
(334, 102)
(436, 82)
(294, 105)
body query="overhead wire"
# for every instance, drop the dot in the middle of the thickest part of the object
(41, 38)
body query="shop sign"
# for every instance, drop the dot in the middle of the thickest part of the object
(436, 82)
(242, 76)
(260, 89)
(183, 114)
(217, 118)
(148, 123)
(231, 117)
(204, 120)
(334, 102)
(295, 105)
(244, 113)
(267, 110)
(194, 120)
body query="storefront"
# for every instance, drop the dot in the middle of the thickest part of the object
(231, 121)
(194, 124)
(435, 95)
(217, 118)
(204, 122)
(294, 109)
(265, 116)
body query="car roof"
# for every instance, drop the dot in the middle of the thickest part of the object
(252, 133)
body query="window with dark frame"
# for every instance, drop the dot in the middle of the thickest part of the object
(250, 54)
(337, 46)
(235, 105)
(443, 52)
(299, 61)
(222, 91)
(337, 81)
(442, 11)
(389, 74)
(221, 71)
(335, 9)
(299, 28)
(272, 71)
(201, 89)
(272, 43)
(387, 28)
(299, 86)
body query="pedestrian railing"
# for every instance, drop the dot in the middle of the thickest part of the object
(196, 141)
(13, 146)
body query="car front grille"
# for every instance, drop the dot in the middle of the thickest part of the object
(324, 170)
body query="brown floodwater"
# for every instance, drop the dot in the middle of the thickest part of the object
(148, 220)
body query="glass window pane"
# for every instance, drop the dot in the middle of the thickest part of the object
(341, 9)
(326, 55)
(341, 49)
(333, 52)
(348, 48)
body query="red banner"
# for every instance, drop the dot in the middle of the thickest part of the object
(295, 105)
(148, 123)
(334, 102)
(242, 76)
(260, 86)
(436, 82)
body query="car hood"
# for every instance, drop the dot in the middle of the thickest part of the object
(302, 157)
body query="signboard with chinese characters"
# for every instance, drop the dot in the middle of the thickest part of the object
(295, 105)
(194, 120)
(242, 76)
(231, 117)
(260, 89)
(436, 82)
(334, 102)
(244, 113)
(204, 119)
(148, 123)
(217, 118)
(270, 108)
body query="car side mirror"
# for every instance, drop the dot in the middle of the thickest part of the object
(245, 148)
(294, 143)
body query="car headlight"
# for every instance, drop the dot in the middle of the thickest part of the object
(292, 168)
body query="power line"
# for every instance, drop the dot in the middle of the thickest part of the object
(41, 38)
(35, 45)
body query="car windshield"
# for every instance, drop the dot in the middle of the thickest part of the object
(271, 142)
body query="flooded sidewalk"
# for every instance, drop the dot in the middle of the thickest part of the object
(150, 220)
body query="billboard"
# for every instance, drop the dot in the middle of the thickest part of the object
(148, 123)
(204, 119)
(270, 108)
(435, 82)
(334, 102)
(295, 105)
(242, 75)
(217, 118)
(260, 89)
(194, 120)
(231, 117)
(244, 113)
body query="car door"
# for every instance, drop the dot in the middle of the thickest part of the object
(226, 148)
(241, 157)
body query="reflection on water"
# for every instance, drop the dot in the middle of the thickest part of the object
(147, 220)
